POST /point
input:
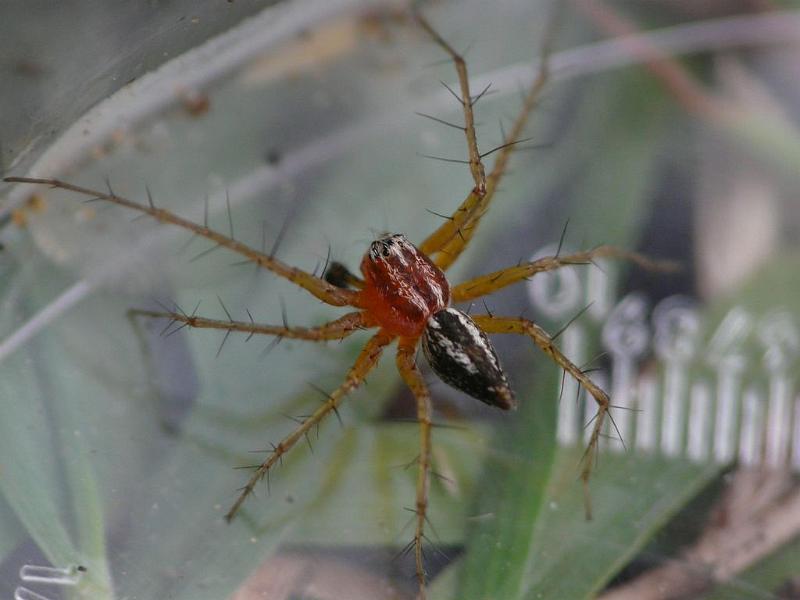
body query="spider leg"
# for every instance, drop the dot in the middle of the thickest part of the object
(486, 284)
(320, 288)
(467, 102)
(406, 352)
(333, 330)
(366, 360)
(518, 325)
(447, 243)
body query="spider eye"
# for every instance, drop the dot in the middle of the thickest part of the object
(463, 357)
(383, 247)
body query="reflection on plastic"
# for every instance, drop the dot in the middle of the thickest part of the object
(51, 575)
(22, 593)
(46, 575)
(709, 396)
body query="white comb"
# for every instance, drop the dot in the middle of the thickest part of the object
(724, 396)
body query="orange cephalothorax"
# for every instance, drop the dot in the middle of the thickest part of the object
(402, 286)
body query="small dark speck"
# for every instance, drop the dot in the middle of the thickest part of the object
(290, 499)
(81, 569)
(195, 103)
(273, 157)
(28, 68)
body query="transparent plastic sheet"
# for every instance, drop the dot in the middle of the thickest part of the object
(59, 61)
(118, 442)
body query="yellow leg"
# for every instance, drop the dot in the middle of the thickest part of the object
(475, 164)
(486, 284)
(334, 330)
(364, 363)
(446, 243)
(408, 370)
(518, 325)
(318, 287)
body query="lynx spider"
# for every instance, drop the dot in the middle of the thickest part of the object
(405, 295)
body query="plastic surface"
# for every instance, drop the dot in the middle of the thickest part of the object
(117, 442)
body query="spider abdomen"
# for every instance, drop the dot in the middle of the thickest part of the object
(402, 286)
(463, 357)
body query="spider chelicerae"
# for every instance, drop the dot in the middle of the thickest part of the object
(404, 294)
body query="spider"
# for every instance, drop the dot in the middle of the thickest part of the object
(403, 292)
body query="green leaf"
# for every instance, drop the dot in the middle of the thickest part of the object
(609, 199)
(511, 492)
(634, 496)
(11, 532)
(49, 478)
(29, 481)
(386, 484)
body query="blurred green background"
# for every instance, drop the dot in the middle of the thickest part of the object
(117, 443)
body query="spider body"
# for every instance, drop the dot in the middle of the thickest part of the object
(463, 357)
(402, 286)
(407, 295)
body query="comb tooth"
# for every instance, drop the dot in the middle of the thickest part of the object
(779, 425)
(750, 435)
(725, 423)
(646, 417)
(674, 412)
(699, 422)
(796, 446)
